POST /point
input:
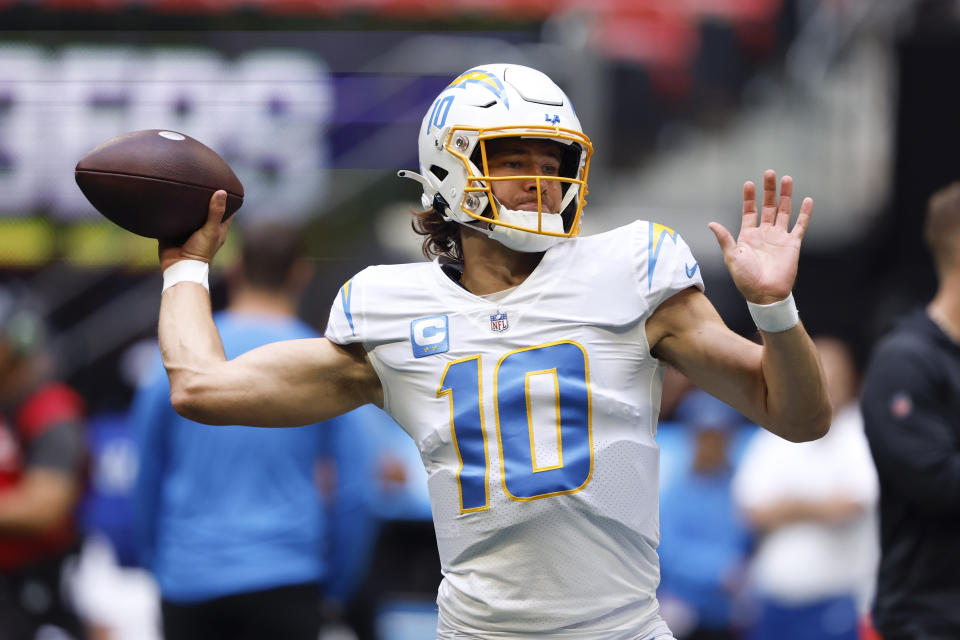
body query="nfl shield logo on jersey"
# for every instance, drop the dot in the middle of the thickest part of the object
(498, 322)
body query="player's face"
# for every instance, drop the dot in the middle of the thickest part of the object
(520, 157)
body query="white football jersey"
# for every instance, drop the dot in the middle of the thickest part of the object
(535, 418)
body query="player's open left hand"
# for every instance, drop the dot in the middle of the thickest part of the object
(763, 259)
(203, 243)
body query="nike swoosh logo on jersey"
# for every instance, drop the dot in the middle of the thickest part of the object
(691, 270)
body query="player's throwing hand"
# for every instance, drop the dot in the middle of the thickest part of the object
(763, 259)
(203, 243)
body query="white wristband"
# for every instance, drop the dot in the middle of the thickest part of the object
(186, 271)
(775, 317)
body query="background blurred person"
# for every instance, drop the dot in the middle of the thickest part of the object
(384, 558)
(812, 506)
(704, 541)
(911, 406)
(116, 598)
(230, 520)
(41, 476)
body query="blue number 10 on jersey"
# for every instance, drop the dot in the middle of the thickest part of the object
(560, 365)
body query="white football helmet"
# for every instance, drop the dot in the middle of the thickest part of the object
(501, 101)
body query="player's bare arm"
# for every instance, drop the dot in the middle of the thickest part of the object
(282, 384)
(778, 384)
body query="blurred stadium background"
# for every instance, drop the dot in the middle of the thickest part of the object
(317, 103)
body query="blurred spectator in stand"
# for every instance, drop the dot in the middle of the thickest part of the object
(813, 507)
(387, 568)
(703, 542)
(911, 405)
(117, 599)
(676, 386)
(41, 476)
(672, 438)
(230, 519)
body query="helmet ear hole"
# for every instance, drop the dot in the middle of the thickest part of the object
(440, 172)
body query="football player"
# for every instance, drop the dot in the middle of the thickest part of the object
(525, 362)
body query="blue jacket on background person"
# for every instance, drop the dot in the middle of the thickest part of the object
(227, 509)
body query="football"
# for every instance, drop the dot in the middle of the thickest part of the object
(156, 183)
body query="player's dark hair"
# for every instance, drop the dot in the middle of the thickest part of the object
(440, 237)
(270, 250)
(941, 228)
